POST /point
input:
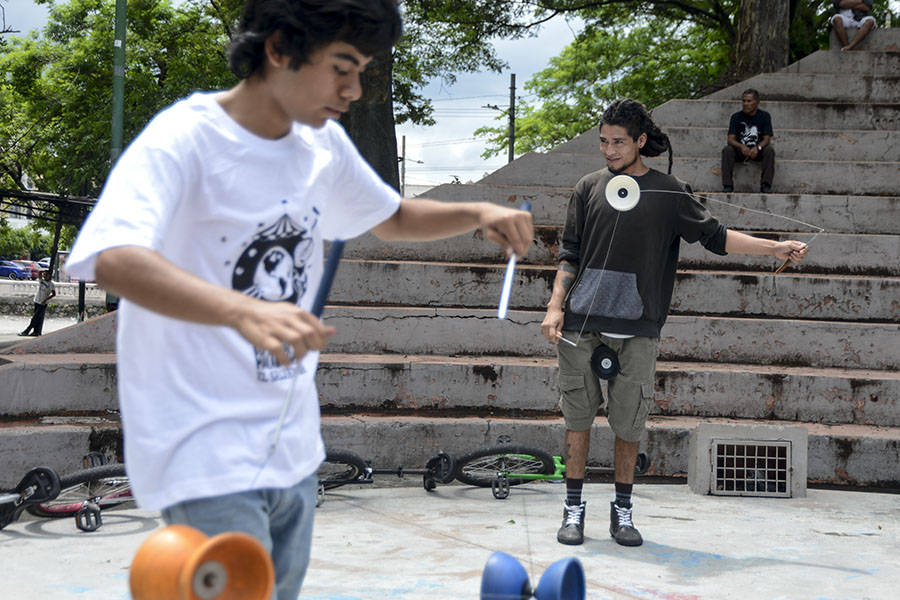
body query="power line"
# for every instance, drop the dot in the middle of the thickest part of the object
(444, 143)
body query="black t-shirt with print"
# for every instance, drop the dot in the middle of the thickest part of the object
(750, 130)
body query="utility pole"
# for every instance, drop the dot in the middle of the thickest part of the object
(118, 116)
(402, 158)
(118, 105)
(512, 117)
(403, 168)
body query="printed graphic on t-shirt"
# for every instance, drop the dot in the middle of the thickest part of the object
(274, 266)
(749, 134)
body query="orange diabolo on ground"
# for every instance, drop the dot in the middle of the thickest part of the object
(182, 563)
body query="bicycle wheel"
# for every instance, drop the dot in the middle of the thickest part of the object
(340, 468)
(482, 466)
(107, 485)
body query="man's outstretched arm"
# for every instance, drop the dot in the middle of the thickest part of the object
(419, 220)
(741, 243)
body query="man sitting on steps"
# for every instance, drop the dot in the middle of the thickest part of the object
(749, 138)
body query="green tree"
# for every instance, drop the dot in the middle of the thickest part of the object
(654, 61)
(653, 51)
(56, 96)
(14, 243)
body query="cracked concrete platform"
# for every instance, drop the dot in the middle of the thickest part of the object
(403, 543)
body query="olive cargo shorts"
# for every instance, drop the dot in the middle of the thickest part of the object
(630, 392)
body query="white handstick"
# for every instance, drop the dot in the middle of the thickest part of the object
(566, 340)
(507, 287)
(508, 278)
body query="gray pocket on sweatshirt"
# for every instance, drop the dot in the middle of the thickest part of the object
(609, 294)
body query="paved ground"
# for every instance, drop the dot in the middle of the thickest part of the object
(404, 543)
(11, 326)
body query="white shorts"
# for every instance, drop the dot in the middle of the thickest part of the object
(846, 17)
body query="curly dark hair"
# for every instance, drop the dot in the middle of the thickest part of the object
(635, 118)
(371, 26)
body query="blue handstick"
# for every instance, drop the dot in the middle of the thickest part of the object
(334, 257)
(526, 206)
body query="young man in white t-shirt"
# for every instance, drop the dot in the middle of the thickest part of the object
(210, 229)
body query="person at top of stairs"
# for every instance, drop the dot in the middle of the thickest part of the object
(852, 14)
(612, 293)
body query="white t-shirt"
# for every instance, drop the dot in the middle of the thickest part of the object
(198, 403)
(45, 289)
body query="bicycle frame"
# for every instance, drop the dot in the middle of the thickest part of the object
(559, 469)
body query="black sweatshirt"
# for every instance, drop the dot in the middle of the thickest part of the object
(627, 260)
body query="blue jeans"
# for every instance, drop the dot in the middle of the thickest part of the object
(282, 519)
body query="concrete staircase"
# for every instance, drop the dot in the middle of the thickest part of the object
(421, 364)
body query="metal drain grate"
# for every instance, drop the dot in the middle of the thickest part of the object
(751, 468)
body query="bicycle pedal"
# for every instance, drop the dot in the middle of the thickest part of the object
(93, 459)
(40, 484)
(500, 487)
(88, 518)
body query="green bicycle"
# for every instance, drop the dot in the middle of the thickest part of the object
(506, 464)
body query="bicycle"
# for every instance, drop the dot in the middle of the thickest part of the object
(506, 464)
(82, 494)
(86, 493)
(342, 467)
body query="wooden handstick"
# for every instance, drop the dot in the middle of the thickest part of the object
(783, 267)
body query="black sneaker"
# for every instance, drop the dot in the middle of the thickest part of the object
(727, 189)
(765, 188)
(571, 532)
(620, 526)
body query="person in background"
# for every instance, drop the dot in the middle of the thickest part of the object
(46, 291)
(852, 14)
(749, 138)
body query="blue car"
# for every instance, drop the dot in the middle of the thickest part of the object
(13, 271)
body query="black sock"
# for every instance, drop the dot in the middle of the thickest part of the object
(623, 493)
(573, 491)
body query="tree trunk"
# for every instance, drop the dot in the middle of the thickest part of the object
(370, 120)
(763, 39)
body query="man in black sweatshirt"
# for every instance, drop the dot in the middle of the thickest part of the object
(613, 289)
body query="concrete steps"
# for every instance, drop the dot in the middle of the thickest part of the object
(55, 442)
(527, 386)
(832, 253)
(832, 115)
(421, 364)
(816, 347)
(836, 213)
(847, 63)
(816, 87)
(408, 283)
(879, 40)
(704, 174)
(844, 455)
(797, 144)
(473, 332)
(57, 384)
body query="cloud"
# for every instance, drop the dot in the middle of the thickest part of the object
(448, 149)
